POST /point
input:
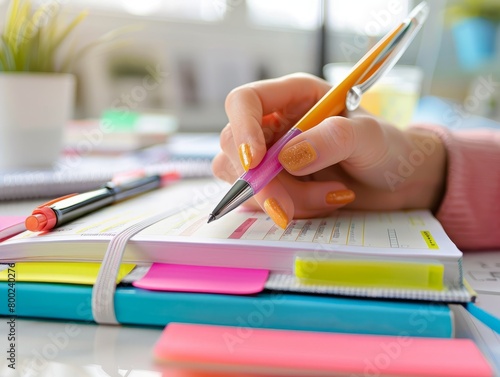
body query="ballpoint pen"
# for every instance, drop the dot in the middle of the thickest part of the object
(345, 95)
(67, 208)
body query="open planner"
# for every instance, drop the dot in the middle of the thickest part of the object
(138, 238)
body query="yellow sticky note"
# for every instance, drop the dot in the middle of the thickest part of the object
(60, 272)
(370, 273)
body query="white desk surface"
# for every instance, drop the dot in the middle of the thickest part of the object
(62, 349)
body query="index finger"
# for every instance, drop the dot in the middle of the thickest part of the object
(248, 104)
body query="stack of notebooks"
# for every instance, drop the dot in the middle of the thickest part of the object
(153, 260)
(188, 154)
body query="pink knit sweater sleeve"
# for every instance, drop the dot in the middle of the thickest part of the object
(470, 210)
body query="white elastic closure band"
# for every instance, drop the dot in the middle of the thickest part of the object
(103, 292)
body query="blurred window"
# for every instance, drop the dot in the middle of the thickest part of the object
(370, 17)
(196, 10)
(292, 14)
(366, 17)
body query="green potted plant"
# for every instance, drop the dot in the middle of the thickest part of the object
(37, 88)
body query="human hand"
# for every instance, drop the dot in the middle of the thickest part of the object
(354, 160)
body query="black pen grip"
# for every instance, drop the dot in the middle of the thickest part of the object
(127, 189)
(82, 204)
(76, 206)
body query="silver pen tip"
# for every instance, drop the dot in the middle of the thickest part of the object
(239, 192)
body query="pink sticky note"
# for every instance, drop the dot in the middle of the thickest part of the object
(306, 353)
(11, 225)
(184, 278)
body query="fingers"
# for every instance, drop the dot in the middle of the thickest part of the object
(273, 199)
(223, 168)
(229, 148)
(285, 99)
(276, 202)
(313, 198)
(259, 114)
(360, 141)
(285, 197)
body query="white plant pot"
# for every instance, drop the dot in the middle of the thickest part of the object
(34, 110)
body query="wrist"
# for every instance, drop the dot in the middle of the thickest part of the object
(427, 157)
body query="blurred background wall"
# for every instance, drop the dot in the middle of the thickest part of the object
(201, 49)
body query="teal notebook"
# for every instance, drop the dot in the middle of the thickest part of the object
(269, 309)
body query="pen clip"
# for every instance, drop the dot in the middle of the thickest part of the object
(388, 57)
(50, 202)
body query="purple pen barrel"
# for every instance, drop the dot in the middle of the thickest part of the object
(270, 166)
(253, 180)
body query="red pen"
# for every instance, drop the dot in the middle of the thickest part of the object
(67, 208)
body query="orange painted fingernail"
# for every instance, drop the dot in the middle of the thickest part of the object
(245, 155)
(340, 197)
(276, 213)
(298, 156)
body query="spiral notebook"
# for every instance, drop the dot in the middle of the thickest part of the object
(190, 155)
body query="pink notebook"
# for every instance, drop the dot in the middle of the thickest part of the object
(301, 353)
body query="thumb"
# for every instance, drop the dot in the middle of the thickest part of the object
(361, 141)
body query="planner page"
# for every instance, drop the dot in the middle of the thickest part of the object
(393, 232)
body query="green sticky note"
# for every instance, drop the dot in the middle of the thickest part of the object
(370, 273)
(119, 121)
